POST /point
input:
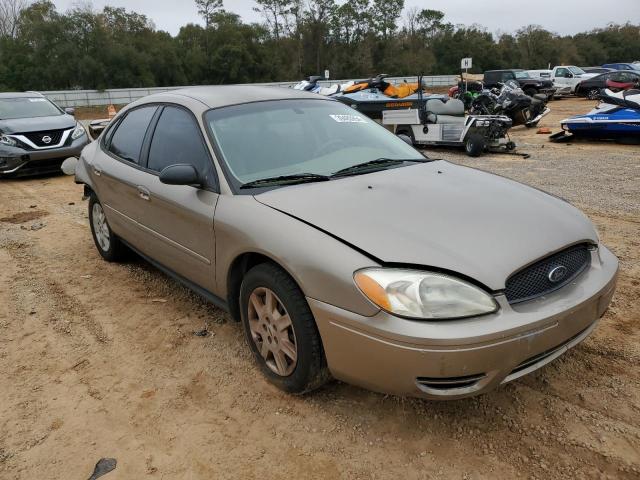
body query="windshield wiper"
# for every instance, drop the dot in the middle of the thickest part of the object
(378, 162)
(287, 180)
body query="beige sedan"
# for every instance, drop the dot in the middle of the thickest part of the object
(342, 250)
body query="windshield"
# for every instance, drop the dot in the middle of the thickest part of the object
(521, 74)
(292, 137)
(27, 107)
(577, 70)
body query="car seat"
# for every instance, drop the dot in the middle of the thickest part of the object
(445, 111)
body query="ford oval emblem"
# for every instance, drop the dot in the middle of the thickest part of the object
(557, 274)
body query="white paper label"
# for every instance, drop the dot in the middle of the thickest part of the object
(348, 119)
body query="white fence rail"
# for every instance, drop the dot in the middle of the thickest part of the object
(121, 96)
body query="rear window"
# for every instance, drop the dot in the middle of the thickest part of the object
(126, 141)
(27, 107)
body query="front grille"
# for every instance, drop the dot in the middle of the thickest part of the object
(36, 138)
(534, 281)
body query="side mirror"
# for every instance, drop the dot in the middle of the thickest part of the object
(180, 174)
(569, 75)
(70, 111)
(68, 167)
(406, 139)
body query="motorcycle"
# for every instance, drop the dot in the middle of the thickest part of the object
(467, 92)
(509, 99)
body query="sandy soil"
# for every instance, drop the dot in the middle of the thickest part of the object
(100, 360)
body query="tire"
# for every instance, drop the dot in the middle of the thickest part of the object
(408, 131)
(593, 94)
(309, 369)
(474, 145)
(108, 244)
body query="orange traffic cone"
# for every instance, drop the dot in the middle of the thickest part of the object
(111, 111)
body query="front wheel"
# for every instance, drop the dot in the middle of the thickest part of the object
(281, 331)
(109, 246)
(475, 145)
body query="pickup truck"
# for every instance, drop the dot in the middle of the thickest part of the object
(564, 77)
(531, 86)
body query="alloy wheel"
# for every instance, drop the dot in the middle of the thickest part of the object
(272, 331)
(100, 227)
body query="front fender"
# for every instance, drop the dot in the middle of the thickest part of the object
(322, 265)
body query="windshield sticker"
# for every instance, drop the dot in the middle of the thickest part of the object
(37, 99)
(348, 119)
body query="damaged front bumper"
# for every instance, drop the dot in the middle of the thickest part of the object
(461, 358)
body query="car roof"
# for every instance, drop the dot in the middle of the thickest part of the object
(225, 95)
(20, 95)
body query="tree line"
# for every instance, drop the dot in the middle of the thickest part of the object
(42, 48)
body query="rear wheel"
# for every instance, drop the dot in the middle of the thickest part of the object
(108, 244)
(474, 145)
(281, 330)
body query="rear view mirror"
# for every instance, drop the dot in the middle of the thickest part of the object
(70, 111)
(180, 174)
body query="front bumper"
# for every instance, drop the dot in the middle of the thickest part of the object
(15, 161)
(461, 358)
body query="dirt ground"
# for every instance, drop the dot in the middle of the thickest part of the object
(100, 360)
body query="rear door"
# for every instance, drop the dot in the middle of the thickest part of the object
(178, 219)
(117, 172)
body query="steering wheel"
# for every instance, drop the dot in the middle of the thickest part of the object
(328, 147)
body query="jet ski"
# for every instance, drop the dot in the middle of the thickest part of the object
(311, 85)
(617, 116)
(374, 96)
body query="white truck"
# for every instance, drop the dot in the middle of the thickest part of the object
(565, 78)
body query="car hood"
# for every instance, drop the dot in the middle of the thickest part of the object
(439, 215)
(37, 124)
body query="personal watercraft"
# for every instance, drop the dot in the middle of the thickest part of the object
(617, 116)
(374, 96)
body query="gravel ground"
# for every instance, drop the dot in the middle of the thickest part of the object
(100, 360)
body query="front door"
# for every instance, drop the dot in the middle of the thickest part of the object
(178, 219)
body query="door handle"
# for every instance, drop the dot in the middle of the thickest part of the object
(97, 171)
(143, 193)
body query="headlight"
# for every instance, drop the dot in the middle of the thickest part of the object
(423, 295)
(4, 140)
(78, 132)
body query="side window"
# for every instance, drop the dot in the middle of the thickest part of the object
(562, 72)
(177, 139)
(126, 141)
(508, 76)
(616, 77)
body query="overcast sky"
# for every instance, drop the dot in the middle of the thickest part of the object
(561, 16)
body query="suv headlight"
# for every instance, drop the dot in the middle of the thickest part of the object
(423, 295)
(4, 140)
(78, 132)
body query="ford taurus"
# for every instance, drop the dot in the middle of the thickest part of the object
(343, 251)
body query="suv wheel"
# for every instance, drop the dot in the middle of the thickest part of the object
(108, 245)
(281, 331)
